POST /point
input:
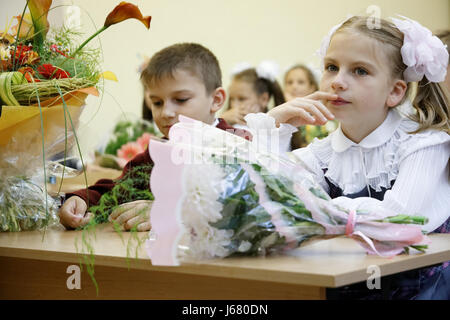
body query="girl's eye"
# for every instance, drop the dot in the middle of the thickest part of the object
(182, 100)
(331, 68)
(361, 72)
(157, 103)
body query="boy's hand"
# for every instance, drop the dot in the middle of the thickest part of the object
(72, 213)
(306, 110)
(133, 214)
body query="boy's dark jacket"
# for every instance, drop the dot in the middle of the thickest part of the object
(104, 185)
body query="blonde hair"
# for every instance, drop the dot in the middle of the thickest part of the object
(431, 100)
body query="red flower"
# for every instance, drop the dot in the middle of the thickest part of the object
(24, 55)
(49, 71)
(29, 74)
(55, 48)
(21, 52)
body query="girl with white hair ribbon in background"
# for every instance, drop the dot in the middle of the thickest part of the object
(250, 91)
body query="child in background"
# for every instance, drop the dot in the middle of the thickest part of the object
(250, 91)
(183, 79)
(377, 159)
(299, 81)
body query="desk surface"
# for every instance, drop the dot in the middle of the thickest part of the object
(93, 174)
(326, 263)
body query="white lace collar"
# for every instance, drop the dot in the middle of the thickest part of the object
(376, 159)
(379, 136)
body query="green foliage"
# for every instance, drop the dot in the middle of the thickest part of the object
(23, 205)
(134, 185)
(85, 64)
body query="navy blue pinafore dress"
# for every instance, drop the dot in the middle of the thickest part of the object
(430, 283)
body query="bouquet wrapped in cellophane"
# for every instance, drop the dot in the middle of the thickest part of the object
(45, 77)
(218, 195)
(29, 139)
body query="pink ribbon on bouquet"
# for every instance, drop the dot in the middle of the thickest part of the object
(381, 238)
(350, 223)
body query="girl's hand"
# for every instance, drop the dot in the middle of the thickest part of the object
(306, 110)
(133, 214)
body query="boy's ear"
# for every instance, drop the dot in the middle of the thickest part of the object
(219, 97)
(397, 93)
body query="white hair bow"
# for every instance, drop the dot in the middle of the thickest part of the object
(423, 53)
(267, 69)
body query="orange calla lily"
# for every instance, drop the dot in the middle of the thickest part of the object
(124, 11)
(121, 12)
(39, 11)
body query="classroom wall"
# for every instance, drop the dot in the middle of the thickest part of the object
(287, 31)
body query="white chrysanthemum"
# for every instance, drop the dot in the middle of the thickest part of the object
(200, 208)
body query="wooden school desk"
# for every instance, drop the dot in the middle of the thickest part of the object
(34, 266)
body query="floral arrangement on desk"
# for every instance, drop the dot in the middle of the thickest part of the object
(45, 77)
(128, 139)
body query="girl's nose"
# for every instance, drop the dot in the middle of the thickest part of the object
(339, 82)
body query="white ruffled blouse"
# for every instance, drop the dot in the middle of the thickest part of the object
(419, 164)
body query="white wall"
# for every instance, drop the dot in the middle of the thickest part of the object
(287, 31)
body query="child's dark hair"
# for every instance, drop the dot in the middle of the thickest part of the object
(309, 75)
(262, 85)
(431, 101)
(190, 57)
(146, 112)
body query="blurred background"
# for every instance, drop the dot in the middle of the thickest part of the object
(286, 31)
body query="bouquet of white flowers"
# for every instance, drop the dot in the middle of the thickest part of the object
(217, 195)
